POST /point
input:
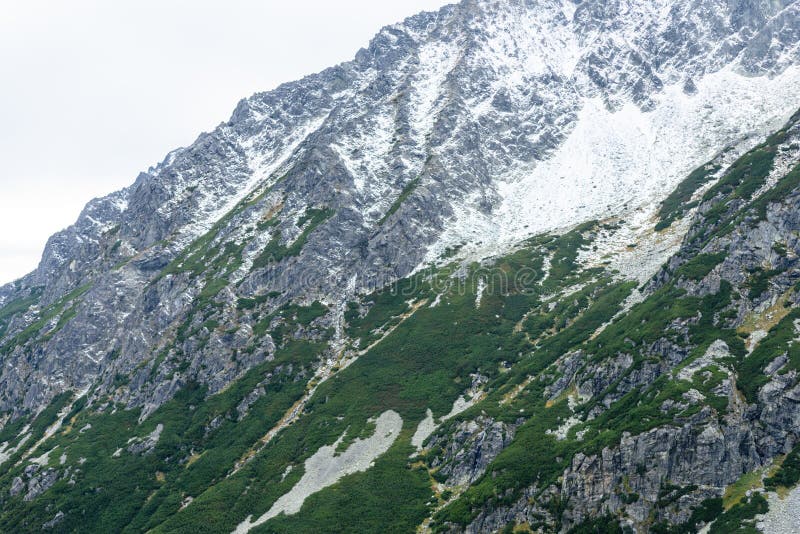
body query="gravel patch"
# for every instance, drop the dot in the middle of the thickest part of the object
(783, 516)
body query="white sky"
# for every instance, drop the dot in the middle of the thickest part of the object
(92, 92)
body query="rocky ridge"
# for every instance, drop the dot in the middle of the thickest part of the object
(209, 307)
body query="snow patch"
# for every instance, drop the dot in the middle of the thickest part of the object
(718, 349)
(325, 467)
(44, 459)
(635, 249)
(214, 205)
(754, 339)
(7, 452)
(479, 292)
(56, 426)
(461, 404)
(786, 157)
(365, 151)
(568, 8)
(436, 60)
(424, 429)
(428, 426)
(613, 162)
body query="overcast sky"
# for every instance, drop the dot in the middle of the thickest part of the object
(92, 92)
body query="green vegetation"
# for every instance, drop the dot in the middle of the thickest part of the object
(739, 519)
(759, 281)
(748, 173)
(290, 316)
(251, 303)
(404, 194)
(194, 259)
(213, 465)
(565, 253)
(698, 267)
(602, 525)
(45, 316)
(305, 315)
(533, 454)
(132, 493)
(274, 251)
(737, 491)
(578, 317)
(13, 433)
(785, 185)
(16, 307)
(703, 514)
(201, 256)
(731, 196)
(679, 201)
(425, 363)
(358, 503)
(780, 340)
(385, 308)
(788, 474)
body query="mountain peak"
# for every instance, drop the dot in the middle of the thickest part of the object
(446, 233)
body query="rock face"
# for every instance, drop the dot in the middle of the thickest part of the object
(242, 277)
(443, 132)
(34, 482)
(644, 478)
(471, 448)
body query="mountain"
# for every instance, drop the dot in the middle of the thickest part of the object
(518, 265)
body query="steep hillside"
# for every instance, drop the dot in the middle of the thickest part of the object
(519, 265)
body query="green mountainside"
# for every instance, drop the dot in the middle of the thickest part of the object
(548, 394)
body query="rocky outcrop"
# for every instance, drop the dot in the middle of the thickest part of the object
(396, 148)
(631, 479)
(660, 475)
(453, 137)
(145, 445)
(33, 482)
(57, 519)
(469, 449)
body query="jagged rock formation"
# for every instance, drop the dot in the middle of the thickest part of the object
(435, 135)
(741, 250)
(516, 169)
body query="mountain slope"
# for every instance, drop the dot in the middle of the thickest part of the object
(443, 240)
(456, 128)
